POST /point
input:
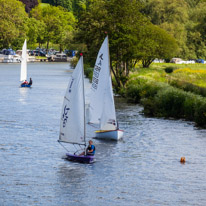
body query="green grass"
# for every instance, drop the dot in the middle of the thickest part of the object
(180, 94)
(191, 73)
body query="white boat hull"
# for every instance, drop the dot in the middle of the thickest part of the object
(109, 134)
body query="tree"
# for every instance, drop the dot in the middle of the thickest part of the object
(120, 20)
(36, 31)
(56, 26)
(197, 31)
(172, 16)
(63, 3)
(154, 42)
(13, 27)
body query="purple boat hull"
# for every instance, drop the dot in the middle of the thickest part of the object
(82, 159)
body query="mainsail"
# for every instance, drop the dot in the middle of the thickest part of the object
(72, 123)
(102, 109)
(23, 75)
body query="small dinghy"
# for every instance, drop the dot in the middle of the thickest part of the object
(72, 123)
(23, 74)
(102, 108)
(81, 159)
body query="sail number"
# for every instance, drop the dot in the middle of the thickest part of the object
(65, 115)
(97, 69)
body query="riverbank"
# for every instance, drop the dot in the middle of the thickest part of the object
(170, 91)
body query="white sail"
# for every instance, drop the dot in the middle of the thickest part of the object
(23, 75)
(72, 123)
(102, 109)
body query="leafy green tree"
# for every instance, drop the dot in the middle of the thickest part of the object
(121, 20)
(154, 43)
(57, 23)
(13, 27)
(36, 32)
(172, 16)
(63, 3)
(197, 30)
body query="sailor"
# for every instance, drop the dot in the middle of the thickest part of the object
(91, 148)
(25, 82)
(30, 82)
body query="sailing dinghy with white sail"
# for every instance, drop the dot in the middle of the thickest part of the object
(23, 74)
(72, 123)
(102, 108)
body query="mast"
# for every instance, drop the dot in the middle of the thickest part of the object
(111, 77)
(84, 99)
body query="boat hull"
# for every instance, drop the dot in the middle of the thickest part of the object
(25, 85)
(81, 159)
(109, 134)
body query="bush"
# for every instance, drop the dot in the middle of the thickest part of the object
(163, 100)
(186, 86)
(200, 112)
(88, 71)
(74, 62)
(169, 69)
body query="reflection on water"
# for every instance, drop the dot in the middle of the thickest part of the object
(141, 169)
(23, 95)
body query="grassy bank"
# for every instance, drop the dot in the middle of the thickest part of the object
(168, 90)
(179, 94)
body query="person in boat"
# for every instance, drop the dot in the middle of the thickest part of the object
(90, 149)
(25, 82)
(30, 82)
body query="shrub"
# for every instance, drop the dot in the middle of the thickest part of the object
(200, 112)
(88, 71)
(186, 86)
(169, 69)
(170, 102)
(133, 93)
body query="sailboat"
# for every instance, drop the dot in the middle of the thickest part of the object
(72, 123)
(23, 75)
(102, 108)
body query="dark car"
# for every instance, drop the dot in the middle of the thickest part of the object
(39, 53)
(200, 61)
(8, 52)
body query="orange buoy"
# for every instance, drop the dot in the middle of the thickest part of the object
(182, 160)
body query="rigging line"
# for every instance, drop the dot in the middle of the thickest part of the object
(63, 146)
(92, 125)
(77, 150)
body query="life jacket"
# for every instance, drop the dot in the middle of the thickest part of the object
(90, 148)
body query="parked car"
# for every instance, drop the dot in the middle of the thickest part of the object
(70, 53)
(200, 61)
(8, 51)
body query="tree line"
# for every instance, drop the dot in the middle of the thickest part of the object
(138, 30)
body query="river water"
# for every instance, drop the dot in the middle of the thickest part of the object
(143, 169)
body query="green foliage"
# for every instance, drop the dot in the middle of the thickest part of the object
(88, 71)
(186, 86)
(121, 21)
(169, 69)
(13, 27)
(35, 32)
(155, 43)
(172, 16)
(162, 100)
(57, 27)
